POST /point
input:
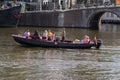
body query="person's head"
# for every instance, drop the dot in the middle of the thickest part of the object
(28, 30)
(49, 30)
(45, 30)
(63, 29)
(86, 36)
(35, 30)
(53, 33)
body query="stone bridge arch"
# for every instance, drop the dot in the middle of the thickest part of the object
(94, 18)
(87, 17)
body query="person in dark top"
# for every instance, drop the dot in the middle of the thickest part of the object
(36, 35)
(63, 35)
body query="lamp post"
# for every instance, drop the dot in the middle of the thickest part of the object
(96, 3)
(115, 2)
(54, 4)
(30, 5)
(40, 5)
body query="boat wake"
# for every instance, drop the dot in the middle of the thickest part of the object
(111, 48)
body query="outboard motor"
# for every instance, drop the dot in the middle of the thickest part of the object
(99, 42)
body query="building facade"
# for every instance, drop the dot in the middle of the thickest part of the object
(118, 2)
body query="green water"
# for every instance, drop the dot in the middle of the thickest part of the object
(35, 63)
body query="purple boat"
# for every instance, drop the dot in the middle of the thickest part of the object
(49, 44)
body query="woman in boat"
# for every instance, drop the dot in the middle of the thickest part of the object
(95, 40)
(27, 34)
(53, 37)
(50, 34)
(45, 35)
(86, 39)
(36, 35)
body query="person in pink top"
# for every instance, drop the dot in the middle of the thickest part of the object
(27, 34)
(86, 39)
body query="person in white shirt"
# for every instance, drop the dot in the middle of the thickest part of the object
(27, 34)
(45, 35)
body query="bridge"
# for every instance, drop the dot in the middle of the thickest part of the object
(84, 17)
(89, 17)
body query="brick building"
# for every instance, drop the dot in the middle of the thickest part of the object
(118, 2)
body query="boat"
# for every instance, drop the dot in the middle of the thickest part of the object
(9, 17)
(49, 44)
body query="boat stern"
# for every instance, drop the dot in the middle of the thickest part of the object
(99, 43)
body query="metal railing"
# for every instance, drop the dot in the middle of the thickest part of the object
(50, 6)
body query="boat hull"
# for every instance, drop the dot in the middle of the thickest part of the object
(10, 17)
(48, 44)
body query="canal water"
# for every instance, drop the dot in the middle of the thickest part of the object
(35, 63)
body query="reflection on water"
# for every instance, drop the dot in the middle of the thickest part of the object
(109, 27)
(35, 63)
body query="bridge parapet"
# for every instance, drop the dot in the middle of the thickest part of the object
(84, 17)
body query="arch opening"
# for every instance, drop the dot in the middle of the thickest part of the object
(95, 20)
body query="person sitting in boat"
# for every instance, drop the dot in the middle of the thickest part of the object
(57, 39)
(95, 40)
(76, 41)
(63, 35)
(50, 34)
(45, 35)
(36, 35)
(86, 39)
(27, 34)
(53, 37)
(9, 5)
